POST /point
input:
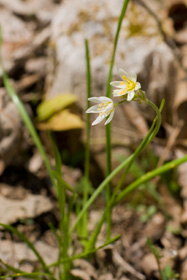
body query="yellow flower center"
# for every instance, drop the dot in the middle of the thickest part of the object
(103, 105)
(130, 85)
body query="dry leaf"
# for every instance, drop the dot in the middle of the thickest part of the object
(84, 270)
(13, 252)
(53, 105)
(64, 120)
(80, 274)
(107, 276)
(149, 264)
(183, 270)
(30, 207)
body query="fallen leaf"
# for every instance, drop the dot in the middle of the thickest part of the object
(107, 276)
(53, 105)
(149, 264)
(183, 270)
(84, 270)
(80, 274)
(64, 120)
(17, 252)
(30, 207)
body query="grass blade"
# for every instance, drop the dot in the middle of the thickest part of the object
(84, 232)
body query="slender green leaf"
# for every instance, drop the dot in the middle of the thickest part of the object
(84, 231)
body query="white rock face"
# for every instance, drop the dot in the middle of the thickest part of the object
(142, 52)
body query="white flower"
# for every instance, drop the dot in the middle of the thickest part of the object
(105, 107)
(127, 86)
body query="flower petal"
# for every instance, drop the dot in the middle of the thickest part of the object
(109, 107)
(123, 74)
(110, 117)
(93, 109)
(119, 84)
(94, 99)
(138, 86)
(133, 77)
(119, 92)
(130, 96)
(100, 99)
(98, 119)
(105, 99)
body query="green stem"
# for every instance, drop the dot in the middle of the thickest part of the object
(108, 127)
(87, 145)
